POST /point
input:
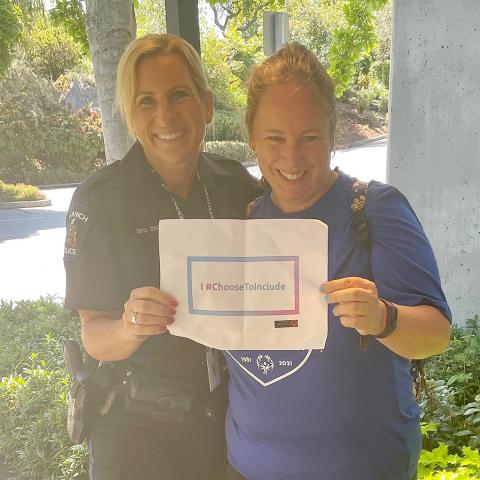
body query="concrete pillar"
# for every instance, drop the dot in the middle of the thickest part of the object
(434, 135)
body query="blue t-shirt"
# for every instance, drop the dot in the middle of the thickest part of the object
(338, 413)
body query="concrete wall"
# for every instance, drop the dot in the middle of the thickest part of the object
(434, 135)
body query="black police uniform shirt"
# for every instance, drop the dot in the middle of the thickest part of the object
(111, 244)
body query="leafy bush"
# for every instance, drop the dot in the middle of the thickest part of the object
(451, 405)
(227, 125)
(19, 192)
(26, 327)
(236, 150)
(439, 464)
(33, 437)
(371, 94)
(40, 142)
(50, 49)
(460, 364)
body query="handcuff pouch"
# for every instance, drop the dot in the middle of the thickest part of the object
(162, 399)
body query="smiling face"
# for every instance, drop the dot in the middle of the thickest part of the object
(169, 115)
(290, 135)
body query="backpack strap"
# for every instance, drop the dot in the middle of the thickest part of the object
(362, 235)
(357, 206)
(358, 197)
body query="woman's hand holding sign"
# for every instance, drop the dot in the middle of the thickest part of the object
(148, 311)
(358, 304)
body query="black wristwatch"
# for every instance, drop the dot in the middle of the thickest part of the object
(392, 312)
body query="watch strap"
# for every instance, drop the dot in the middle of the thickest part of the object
(391, 325)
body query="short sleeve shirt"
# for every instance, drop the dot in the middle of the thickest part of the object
(112, 239)
(338, 413)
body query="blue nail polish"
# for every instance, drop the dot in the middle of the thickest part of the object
(327, 298)
(321, 288)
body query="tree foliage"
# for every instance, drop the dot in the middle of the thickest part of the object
(71, 15)
(240, 22)
(150, 17)
(352, 41)
(50, 49)
(246, 14)
(217, 61)
(10, 31)
(30, 8)
(312, 23)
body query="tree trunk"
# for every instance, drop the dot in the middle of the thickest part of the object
(110, 27)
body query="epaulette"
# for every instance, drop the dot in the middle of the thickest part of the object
(98, 177)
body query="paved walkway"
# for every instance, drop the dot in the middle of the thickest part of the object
(31, 249)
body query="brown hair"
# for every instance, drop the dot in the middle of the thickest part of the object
(293, 62)
(151, 46)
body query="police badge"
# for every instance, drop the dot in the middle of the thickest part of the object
(77, 223)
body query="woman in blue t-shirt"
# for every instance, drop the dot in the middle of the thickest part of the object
(343, 413)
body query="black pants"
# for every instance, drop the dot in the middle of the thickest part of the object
(124, 446)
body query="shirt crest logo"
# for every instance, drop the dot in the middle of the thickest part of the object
(272, 366)
(265, 364)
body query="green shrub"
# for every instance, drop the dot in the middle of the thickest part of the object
(459, 366)
(40, 142)
(33, 436)
(50, 49)
(439, 464)
(239, 151)
(19, 192)
(451, 405)
(227, 125)
(383, 103)
(27, 326)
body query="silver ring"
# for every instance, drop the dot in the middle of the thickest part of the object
(133, 317)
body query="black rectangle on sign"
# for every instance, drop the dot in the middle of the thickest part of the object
(286, 323)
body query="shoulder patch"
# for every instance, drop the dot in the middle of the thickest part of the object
(78, 223)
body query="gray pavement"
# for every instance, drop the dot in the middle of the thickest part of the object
(31, 249)
(31, 239)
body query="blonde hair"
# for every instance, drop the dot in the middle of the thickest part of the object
(147, 47)
(293, 62)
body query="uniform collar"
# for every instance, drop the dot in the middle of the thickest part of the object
(212, 171)
(135, 170)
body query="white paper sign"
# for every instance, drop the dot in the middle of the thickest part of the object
(246, 284)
